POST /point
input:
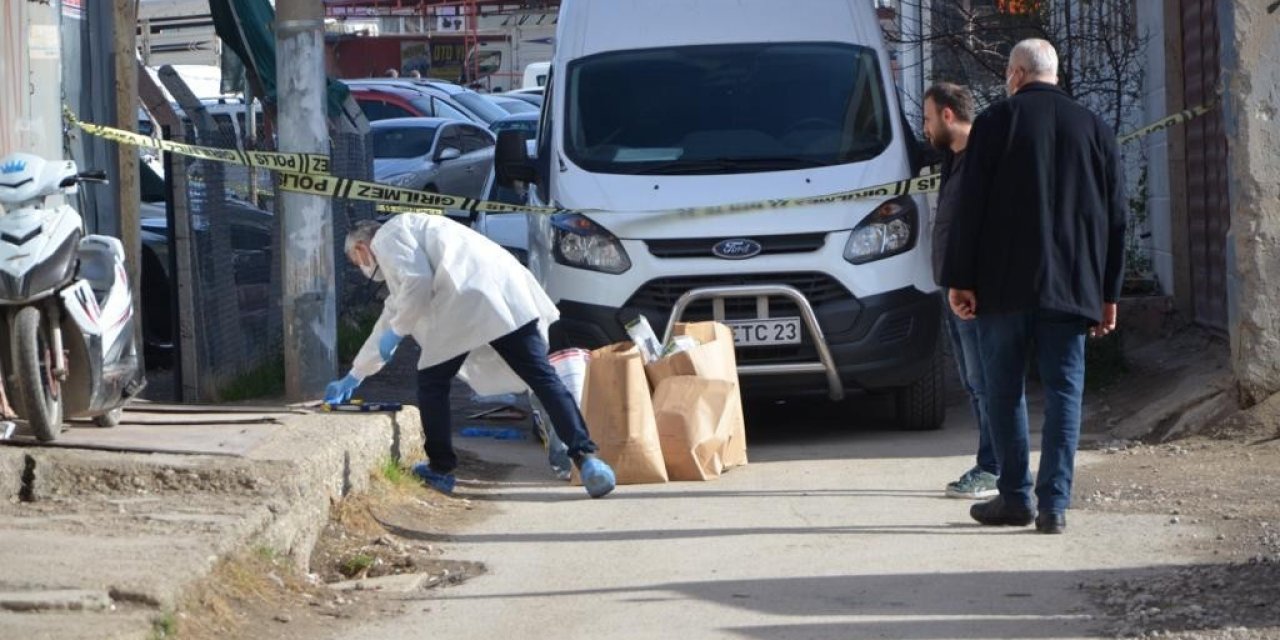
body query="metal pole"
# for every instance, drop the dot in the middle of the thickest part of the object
(171, 169)
(250, 133)
(309, 304)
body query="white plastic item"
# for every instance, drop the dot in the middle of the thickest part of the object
(642, 334)
(571, 366)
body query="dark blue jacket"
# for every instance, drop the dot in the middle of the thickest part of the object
(1041, 222)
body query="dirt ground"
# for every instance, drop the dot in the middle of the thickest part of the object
(1223, 474)
(259, 594)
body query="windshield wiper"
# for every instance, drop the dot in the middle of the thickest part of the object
(734, 165)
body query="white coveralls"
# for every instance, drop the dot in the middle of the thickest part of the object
(454, 291)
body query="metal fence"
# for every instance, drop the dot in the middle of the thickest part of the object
(224, 266)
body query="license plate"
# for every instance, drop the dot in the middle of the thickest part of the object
(757, 333)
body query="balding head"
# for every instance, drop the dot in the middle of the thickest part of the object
(1032, 60)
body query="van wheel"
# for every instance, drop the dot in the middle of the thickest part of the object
(922, 405)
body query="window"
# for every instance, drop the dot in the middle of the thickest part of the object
(381, 110)
(726, 109)
(451, 139)
(443, 109)
(474, 139)
(402, 142)
(476, 103)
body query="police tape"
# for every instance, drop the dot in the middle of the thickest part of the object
(303, 163)
(309, 173)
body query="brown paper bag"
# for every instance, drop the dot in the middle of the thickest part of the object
(619, 414)
(714, 359)
(694, 423)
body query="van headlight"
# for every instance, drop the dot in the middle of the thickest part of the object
(580, 242)
(890, 230)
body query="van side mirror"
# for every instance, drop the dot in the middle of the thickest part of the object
(511, 160)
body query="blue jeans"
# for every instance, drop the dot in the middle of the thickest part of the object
(964, 344)
(1058, 339)
(525, 352)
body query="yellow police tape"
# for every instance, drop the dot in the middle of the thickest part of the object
(309, 173)
(305, 163)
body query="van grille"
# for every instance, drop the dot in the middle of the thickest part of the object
(702, 247)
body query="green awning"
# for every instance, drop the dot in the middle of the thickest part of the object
(245, 27)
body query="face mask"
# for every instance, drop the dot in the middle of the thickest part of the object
(372, 272)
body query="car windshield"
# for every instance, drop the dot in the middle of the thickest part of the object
(511, 105)
(402, 142)
(726, 109)
(484, 109)
(530, 126)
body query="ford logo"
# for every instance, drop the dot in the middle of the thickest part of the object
(737, 249)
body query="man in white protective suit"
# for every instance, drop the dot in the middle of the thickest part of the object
(476, 312)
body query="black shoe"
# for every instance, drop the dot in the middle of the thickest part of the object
(1051, 522)
(996, 513)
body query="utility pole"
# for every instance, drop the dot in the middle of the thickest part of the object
(310, 313)
(124, 54)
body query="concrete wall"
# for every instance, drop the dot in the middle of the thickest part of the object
(1155, 103)
(30, 78)
(1250, 49)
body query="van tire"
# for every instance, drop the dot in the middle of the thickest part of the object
(922, 405)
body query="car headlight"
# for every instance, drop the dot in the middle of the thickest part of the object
(888, 231)
(580, 242)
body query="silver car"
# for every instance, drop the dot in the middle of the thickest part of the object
(432, 154)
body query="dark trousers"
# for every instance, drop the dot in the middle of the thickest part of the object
(1006, 340)
(525, 352)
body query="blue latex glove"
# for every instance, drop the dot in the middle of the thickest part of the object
(339, 391)
(387, 345)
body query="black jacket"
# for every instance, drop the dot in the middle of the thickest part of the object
(945, 211)
(1042, 216)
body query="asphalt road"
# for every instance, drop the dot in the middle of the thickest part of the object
(837, 529)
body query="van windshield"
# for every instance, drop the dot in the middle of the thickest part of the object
(726, 109)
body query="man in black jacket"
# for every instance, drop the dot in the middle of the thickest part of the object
(1036, 255)
(948, 119)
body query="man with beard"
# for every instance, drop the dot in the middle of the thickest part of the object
(948, 117)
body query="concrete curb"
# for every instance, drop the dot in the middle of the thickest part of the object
(344, 450)
(144, 528)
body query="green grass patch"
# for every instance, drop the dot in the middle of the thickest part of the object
(392, 471)
(264, 381)
(357, 564)
(164, 626)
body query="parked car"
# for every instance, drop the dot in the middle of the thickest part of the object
(384, 101)
(463, 103)
(432, 154)
(842, 298)
(526, 122)
(534, 99)
(251, 262)
(512, 105)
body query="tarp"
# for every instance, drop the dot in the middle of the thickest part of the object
(245, 27)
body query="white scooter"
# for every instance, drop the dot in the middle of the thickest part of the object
(67, 344)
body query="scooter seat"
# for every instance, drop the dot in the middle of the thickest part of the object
(97, 267)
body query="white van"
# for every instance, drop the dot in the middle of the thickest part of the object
(666, 104)
(535, 75)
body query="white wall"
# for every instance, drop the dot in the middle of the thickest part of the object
(1156, 147)
(30, 78)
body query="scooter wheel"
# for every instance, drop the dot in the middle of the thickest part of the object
(108, 419)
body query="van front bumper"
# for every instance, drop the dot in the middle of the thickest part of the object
(878, 342)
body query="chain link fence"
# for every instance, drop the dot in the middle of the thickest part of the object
(225, 268)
